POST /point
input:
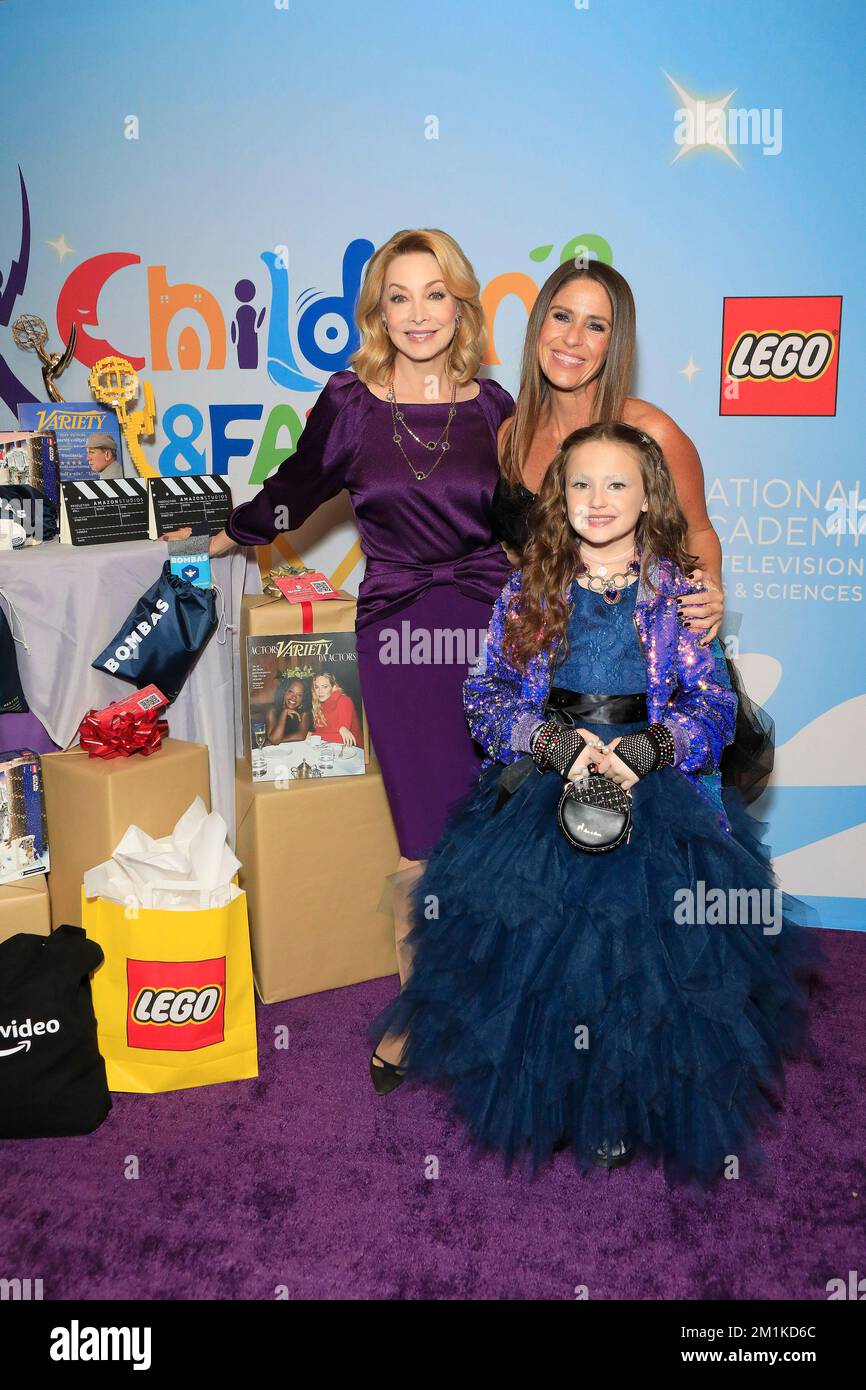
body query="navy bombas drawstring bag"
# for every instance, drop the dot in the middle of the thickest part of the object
(163, 636)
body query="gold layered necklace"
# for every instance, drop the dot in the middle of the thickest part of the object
(431, 445)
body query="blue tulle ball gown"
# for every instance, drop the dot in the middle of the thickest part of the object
(566, 999)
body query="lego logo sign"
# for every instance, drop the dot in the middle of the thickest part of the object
(780, 356)
(175, 1006)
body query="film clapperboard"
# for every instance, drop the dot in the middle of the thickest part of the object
(102, 510)
(202, 503)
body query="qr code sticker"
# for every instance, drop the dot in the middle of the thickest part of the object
(148, 701)
(322, 586)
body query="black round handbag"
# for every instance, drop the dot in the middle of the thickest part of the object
(594, 814)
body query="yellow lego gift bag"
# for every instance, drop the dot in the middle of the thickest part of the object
(174, 996)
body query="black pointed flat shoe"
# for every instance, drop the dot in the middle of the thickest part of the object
(386, 1076)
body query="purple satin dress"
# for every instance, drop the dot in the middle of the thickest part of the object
(433, 574)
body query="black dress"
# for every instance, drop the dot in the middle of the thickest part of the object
(747, 763)
(510, 516)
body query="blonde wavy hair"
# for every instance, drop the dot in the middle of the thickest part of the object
(374, 360)
(318, 714)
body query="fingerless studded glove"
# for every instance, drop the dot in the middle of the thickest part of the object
(647, 750)
(556, 747)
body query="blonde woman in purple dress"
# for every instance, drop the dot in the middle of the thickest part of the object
(411, 433)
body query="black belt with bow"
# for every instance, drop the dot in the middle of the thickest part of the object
(569, 708)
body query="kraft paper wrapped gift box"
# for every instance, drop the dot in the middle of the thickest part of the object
(24, 906)
(91, 802)
(314, 856)
(262, 615)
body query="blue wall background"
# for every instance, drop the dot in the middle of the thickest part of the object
(294, 132)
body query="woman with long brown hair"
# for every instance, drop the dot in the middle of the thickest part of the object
(610, 968)
(577, 365)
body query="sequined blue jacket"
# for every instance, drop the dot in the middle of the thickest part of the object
(688, 688)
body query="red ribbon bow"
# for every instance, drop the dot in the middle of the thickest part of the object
(119, 736)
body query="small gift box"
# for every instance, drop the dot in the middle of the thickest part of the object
(126, 726)
(91, 801)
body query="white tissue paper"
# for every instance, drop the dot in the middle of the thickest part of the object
(190, 869)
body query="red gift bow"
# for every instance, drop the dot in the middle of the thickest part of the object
(122, 734)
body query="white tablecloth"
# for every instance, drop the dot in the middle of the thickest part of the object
(277, 762)
(69, 602)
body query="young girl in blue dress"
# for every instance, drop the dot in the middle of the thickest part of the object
(639, 1000)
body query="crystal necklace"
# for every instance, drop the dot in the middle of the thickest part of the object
(399, 421)
(609, 586)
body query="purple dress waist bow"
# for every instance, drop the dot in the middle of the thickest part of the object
(391, 585)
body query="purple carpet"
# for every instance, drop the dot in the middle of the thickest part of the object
(306, 1179)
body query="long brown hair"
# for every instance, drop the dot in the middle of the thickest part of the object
(374, 360)
(538, 615)
(614, 377)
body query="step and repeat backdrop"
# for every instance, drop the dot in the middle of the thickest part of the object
(198, 188)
